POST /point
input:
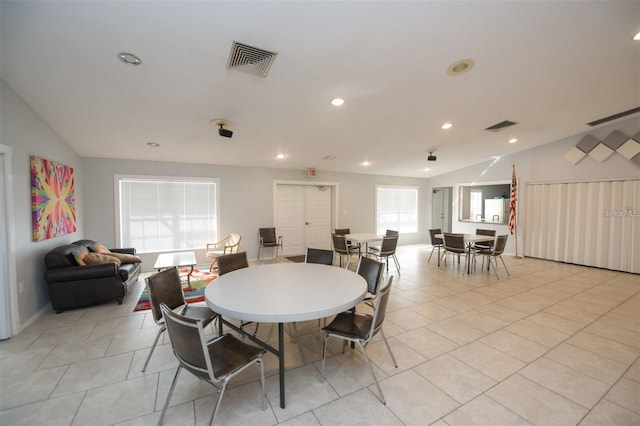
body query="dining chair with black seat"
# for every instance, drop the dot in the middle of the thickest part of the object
(371, 270)
(436, 243)
(388, 233)
(230, 263)
(387, 250)
(342, 249)
(228, 245)
(347, 231)
(454, 244)
(214, 361)
(320, 256)
(484, 245)
(494, 253)
(166, 287)
(267, 239)
(360, 328)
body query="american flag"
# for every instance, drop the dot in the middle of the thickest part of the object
(512, 203)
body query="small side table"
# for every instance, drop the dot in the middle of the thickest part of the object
(177, 259)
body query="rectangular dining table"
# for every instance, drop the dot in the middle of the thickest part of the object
(280, 293)
(469, 240)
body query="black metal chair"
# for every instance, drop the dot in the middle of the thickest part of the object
(436, 243)
(214, 361)
(371, 271)
(166, 287)
(341, 247)
(360, 328)
(346, 231)
(454, 244)
(320, 256)
(485, 245)
(231, 262)
(267, 239)
(387, 250)
(388, 233)
(494, 253)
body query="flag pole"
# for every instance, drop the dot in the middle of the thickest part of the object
(514, 208)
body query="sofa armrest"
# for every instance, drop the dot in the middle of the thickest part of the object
(77, 273)
(126, 250)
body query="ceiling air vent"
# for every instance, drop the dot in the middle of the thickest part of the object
(250, 59)
(503, 124)
(614, 117)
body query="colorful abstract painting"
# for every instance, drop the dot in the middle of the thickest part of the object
(52, 199)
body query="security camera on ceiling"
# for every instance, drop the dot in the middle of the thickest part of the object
(225, 133)
(431, 157)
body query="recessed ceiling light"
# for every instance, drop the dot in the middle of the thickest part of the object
(427, 169)
(129, 58)
(337, 101)
(460, 67)
(636, 37)
(446, 126)
(513, 140)
(281, 156)
(153, 144)
(365, 163)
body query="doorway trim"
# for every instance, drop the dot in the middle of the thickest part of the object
(9, 260)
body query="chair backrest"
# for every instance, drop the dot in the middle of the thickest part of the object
(391, 233)
(231, 262)
(188, 343)
(340, 244)
(371, 271)
(382, 299)
(267, 235)
(164, 287)
(489, 232)
(321, 256)
(342, 231)
(454, 241)
(232, 244)
(435, 241)
(388, 246)
(501, 242)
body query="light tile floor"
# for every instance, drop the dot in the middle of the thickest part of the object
(553, 344)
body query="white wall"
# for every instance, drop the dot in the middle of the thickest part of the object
(542, 164)
(27, 134)
(246, 198)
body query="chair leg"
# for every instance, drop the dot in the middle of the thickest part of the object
(324, 356)
(375, 379)
(171, 389)
(264, 392)
(153, 347)
(395, 364)
(495, 267)
(505, 265)
(259, 249)
(215, 407)
(395, 259)
(432, 250)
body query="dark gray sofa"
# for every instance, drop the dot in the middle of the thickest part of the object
(74, 286)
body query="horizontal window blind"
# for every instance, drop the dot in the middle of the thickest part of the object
(396, 209)
(586, 223)
(159, 215)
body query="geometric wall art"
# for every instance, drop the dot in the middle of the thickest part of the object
(52, 199)
(616, 142)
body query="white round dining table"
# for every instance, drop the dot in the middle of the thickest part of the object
(281, 293)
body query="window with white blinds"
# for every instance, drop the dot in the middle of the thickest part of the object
(586, 223)
(396, 208)
(165, 214)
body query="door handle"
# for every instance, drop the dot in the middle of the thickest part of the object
(307, 223)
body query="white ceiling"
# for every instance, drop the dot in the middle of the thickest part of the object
(549, 66)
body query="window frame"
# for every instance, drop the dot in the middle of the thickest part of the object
(161, 178)
(416, 189)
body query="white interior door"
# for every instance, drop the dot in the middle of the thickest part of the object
(303, 216)
(290, 218)
(317, 216)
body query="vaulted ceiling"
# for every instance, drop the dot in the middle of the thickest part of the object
(549, 66)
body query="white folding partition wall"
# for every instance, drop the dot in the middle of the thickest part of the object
(586, 223)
